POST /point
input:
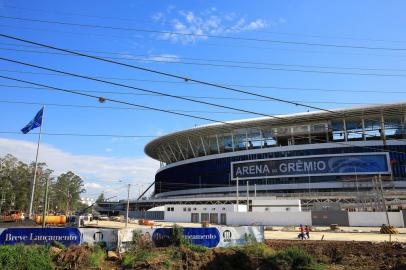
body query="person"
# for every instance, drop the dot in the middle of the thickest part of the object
(307, 231)
(301, 234)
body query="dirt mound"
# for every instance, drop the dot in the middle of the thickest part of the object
(73, 257)
(351, 255)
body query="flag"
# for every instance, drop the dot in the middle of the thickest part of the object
(34, 123)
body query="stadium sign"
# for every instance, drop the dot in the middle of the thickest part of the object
(319, 165)
(37, 236)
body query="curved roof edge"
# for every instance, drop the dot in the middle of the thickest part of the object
(276, 120)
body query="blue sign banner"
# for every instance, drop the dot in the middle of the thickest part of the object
(32, 236)
(208, 237)
(340, 164)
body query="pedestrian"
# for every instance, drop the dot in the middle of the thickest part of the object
(301, 234)
(307, 231)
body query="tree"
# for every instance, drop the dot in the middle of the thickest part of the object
(66, 191)
(100, 198)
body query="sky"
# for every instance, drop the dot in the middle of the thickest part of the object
(329, 54)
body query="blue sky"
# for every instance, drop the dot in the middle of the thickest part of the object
(102, 161)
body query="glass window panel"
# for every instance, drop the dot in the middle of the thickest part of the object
(337, 125)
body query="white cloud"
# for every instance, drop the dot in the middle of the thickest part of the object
(165, 57)
(92, 186)
(102, 169)
(108, 149)
(207, 22)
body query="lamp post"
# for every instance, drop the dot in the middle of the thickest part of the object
(45, 208)
(128, 205)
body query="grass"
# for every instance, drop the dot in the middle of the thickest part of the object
(96, 257)
(21, 257)
(292, 258)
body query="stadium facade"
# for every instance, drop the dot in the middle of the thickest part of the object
(316, 152)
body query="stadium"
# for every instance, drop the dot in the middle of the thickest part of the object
(318, 156)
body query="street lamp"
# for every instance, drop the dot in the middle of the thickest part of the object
(67, 195)
(128, 204)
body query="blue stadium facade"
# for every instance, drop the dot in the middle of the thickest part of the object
(324, 151)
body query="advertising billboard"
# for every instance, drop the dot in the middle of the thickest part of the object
(318, 165)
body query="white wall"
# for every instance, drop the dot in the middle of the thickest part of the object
(272, 219)
(375, 219)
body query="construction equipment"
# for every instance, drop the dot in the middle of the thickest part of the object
(51, 220)
(12, 216)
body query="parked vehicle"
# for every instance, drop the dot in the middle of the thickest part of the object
(12, 216)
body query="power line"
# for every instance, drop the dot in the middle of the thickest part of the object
(226, 84)
(81, 134)
(269, 32)
(109, 99)
(177, 60)
(104, 36)
(131, 87)
(162, 73)
(329, 45)
(196, 97)
(105, 107)
(191, 116)
(159, 73)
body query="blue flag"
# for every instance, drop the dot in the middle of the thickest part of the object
(34, 123)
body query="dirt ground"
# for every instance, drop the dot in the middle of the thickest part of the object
(338, 236)
(351, 254)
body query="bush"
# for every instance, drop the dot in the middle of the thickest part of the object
(21, 257)
(292, 258)
(130, 258)
(95, 257)
(198, 248)
(178, 238)
(258, 250)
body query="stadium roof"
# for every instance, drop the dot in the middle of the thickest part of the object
(183, 136)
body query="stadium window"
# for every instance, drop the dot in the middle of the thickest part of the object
(372, 128)
(354, 129)
(189, 209)
(393, 128)
(184, 209)
(338, 130)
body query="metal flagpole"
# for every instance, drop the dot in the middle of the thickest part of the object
(36, 165)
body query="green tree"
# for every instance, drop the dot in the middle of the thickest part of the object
(16, 182)
(66, 191)
(100, 198)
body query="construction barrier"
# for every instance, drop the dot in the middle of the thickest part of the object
(121, 239)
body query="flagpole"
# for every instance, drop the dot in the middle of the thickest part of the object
(36, 166)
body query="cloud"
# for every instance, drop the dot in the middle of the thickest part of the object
(104, 170)
(93, 186)
(165, 57)
(207, 22)
(108, 149)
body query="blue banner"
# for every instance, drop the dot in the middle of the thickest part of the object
(208, 237)
(340, 164)
(32, 236)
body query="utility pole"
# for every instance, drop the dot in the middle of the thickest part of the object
(67, 202)
(237, 194)
(128, 205)
(383, 199)
(45, 210)
(248, 197)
